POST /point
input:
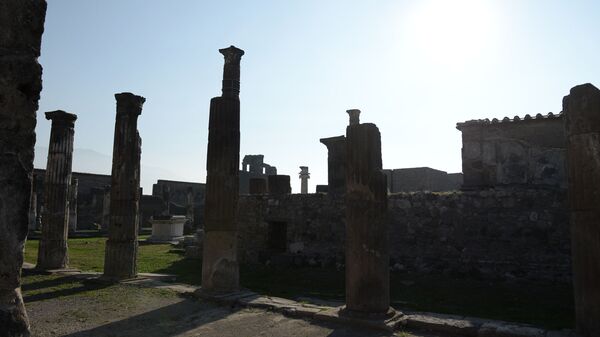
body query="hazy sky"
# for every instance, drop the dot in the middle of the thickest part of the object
(414, 68)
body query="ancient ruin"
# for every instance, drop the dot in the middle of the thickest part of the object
(279, 184)
(21, 28)
(220, 268)
(73, 196)
(254, 167)
(53, 253)
(121, 247)
(582, 112)
(304, 176)
(517, 151)
(367, 251)
(336, 164)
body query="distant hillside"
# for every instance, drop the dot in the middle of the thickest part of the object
(90, 161)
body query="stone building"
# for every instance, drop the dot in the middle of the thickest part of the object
(520, 151)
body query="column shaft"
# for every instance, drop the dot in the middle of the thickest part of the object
(21, 27)
(582, 114)
(52, 253)
(367, 252)
(122, 244)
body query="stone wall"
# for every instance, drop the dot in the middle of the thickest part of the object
(492, 234)
(526, 152)
(422, 179)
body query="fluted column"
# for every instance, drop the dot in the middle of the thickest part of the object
(304, 176)
(53, 253)
(122, 244)
(21, 27)
(73, 195)
(220, 269)
(582, 121)
(367, 251)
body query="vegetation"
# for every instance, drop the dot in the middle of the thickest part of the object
(550, 306)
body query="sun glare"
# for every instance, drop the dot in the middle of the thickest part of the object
(450, 33)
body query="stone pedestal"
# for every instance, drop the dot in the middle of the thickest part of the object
(21, 27)
(52, 253)
(122, 244)
(220, 270)
(336, 164)
(304, 176)
(367, 251)
(279, 184)
(167, 229)
(582, 114)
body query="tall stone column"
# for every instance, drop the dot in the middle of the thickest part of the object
(336, 164)
(220, 269)
(304, 176)
(73, 193)
(53, 253)
(33, 209)
(582, 121)
(367, 251)
(122, 244)
(105, 208)
(21, 28)
(189, 206)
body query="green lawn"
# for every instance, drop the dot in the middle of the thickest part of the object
(550, 306)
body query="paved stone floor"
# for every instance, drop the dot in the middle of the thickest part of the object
(126, 310)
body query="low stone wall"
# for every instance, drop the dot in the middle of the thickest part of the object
(495, 234)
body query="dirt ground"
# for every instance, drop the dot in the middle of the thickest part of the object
(62, 306)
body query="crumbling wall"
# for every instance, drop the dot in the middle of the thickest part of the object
(496, 234)
(527, 152)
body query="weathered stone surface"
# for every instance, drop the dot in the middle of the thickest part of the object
(499, 234)
(220, 269)
(258, 186)
(279, 184)
(53, 253)
(73, 204)
(582, 113)
(529, 151)
(122, 243)
(503, 329)
(367, 251)
(336, 164)
(21, 27)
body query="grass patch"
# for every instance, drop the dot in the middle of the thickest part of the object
(549, 306)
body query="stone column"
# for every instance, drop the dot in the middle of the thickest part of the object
(304, 176)
(166, 198)
(105, 208)
(122, 244)
(21, 27)
(73, 205)
(367, 251)
(53, 253)
(33, 209)
(336, 164)
(220, 268)
(582, 121)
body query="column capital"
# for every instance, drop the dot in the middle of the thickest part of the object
(129, 103)
(231, 71)
(304, 172)
(61, 117)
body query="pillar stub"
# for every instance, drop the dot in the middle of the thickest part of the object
(354, 116)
